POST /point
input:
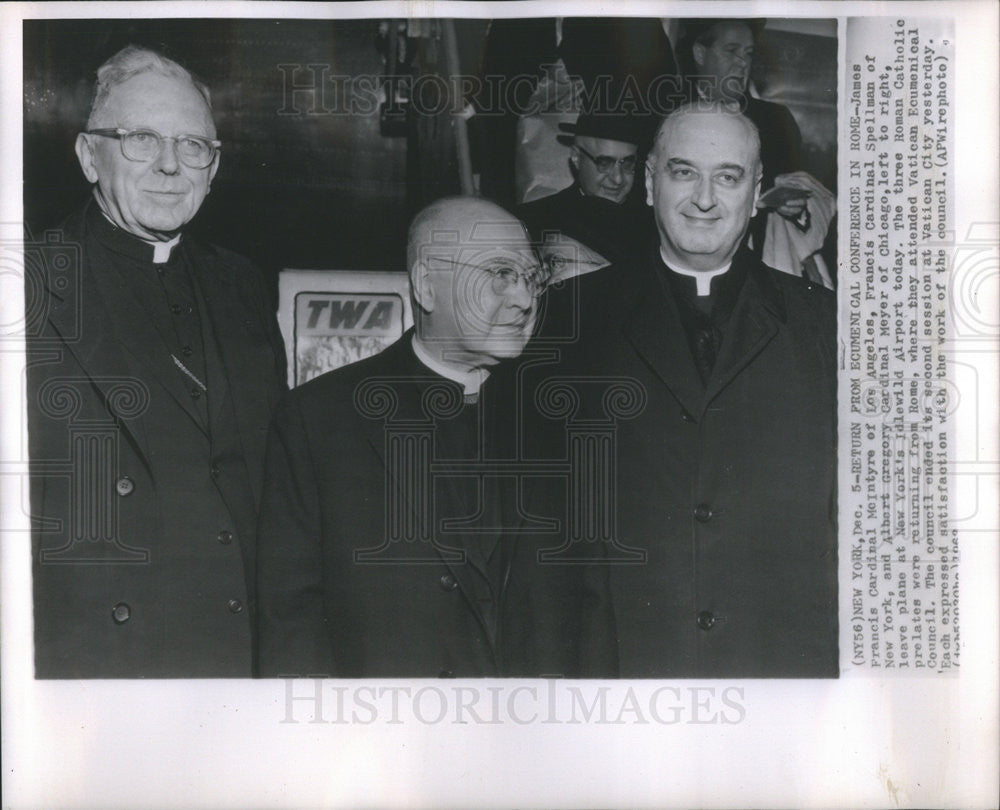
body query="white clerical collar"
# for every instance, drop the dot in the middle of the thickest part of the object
(703, 278)
(162, 250)
(471, 380)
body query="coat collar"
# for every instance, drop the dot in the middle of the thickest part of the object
(122, 242)
(654, 329)
(409, 380)
(139, 337)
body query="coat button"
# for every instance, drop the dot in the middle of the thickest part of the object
(187, 351)
(448, 583)
(235, 606)
(214, 471)
(703, 513)
(195, 393)
(706, 620)
(175, 308)
(686, 416)
(124, 486)
(225, 537)
(446, 673)
(121, 613)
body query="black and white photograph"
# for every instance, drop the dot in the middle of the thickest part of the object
(514, 390)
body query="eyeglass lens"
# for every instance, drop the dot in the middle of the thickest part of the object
(142, 144)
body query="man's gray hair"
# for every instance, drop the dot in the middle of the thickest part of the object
(131, 61)
(700, 106)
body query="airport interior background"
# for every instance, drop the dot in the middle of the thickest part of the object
(312, 176)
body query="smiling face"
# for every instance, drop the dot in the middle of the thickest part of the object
(150, 199)
(726, 59)
(703, 181)
(614, 184)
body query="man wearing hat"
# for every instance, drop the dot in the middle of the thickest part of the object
(597, 221)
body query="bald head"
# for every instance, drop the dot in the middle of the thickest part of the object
(459, 221)
(473, 277)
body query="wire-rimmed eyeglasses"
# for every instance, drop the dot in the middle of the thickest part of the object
(194, 151)
(605, 163)
(503, 277)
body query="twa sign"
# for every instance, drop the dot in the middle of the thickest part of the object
(348, 314)
(330, 318)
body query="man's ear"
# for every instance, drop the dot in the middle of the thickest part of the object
(85, 154)
(574, 158)
(649, 183)
(698, 54)
(756, 190)
(422, 286)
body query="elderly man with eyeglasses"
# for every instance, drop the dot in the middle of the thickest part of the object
(151, 385)
(597, 221)
(385, 534)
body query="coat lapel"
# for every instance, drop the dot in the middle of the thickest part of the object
(89, 333)
(144, 342)
(457, 550)
(402, 373)
(753, 323)
(655, 332)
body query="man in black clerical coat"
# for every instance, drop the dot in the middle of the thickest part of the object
(153, 372)
(385, 535)
(725, 458)
(597, 220)
(621, 62)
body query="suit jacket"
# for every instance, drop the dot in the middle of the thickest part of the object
(726, 489)
(370, 565)
(143, 514)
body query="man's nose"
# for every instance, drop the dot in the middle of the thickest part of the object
(704, 194)
(167, 161)
(615, 173)
(521, 294)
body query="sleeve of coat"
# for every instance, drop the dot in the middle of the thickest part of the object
(292, 635)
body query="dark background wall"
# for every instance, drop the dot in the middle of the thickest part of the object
(301, 184)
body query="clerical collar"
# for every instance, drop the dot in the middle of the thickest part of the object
(471, 380)
(702, 278)
(162, 250)
(121, 241)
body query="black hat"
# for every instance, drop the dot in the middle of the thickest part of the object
(607, 127)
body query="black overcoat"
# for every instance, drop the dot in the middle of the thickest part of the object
(143, 567)
(727, 491)
(370, 567)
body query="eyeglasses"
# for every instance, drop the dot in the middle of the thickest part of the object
(143, 145)
(503, 277)
(605, 163)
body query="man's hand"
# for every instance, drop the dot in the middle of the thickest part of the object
(790, 195)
